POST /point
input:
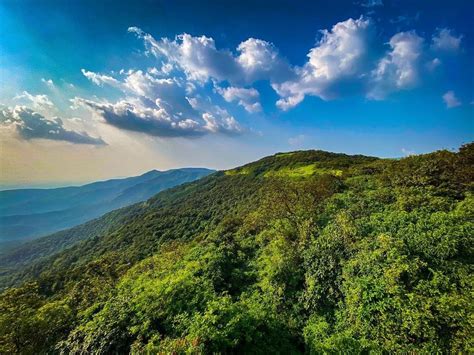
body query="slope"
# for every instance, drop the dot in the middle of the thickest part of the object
(26, 214)
(299, 252)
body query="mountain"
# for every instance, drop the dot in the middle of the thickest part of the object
(301, 252)
(29, 213)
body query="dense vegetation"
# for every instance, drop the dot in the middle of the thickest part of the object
(304, 252)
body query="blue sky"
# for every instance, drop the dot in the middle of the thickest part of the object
(88, 85)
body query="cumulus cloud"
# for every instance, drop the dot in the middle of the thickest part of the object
(169, 103)
(289, 101)
(32, 125)
(168, 94)
(100, 79)
(39, 102)
(260, 60)
(197, 56)
(201, 60)
(450, 99)
(166, 69)
(247, 98)
(336, 63)
(136, 115)
(399, 68)
(225, 123)
(444, 40)
(346, 60)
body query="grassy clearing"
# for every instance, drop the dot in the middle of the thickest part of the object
(240, 171)
(302, 171)
(290, 172)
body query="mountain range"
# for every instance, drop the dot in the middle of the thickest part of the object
(29, 213)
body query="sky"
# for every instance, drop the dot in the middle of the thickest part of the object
(91, 90)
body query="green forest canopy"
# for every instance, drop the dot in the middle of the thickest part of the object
(303, 252)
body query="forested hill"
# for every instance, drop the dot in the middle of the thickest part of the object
(298, 252)
(30, 213)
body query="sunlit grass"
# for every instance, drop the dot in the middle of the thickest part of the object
(290, 172)
(302, 171)
(240, 171)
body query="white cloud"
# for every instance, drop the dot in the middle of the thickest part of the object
(340, 57)
(343, 62)
(444, 40)
(340, 51)
(201, 60)
(450, 99)
(100, 79)
(260, 60)
(48, 82)
(226, 123)
(197, 56)
(39, 102)
(289, 101)
(159, 107)
(248, 98)
(167, 93)
(166, 69)
(399, 69)
(159, 104)
(139, 116)
(32, 125)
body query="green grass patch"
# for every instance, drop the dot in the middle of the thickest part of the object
(240, 171)
(302, 171)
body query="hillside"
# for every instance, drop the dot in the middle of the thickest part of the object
(29, 213)
(298, 252)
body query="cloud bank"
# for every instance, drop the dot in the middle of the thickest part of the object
(32, 125)
(162, 107)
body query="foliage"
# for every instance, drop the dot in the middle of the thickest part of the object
(377, 258)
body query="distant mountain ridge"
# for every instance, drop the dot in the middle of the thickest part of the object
(29, 213)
